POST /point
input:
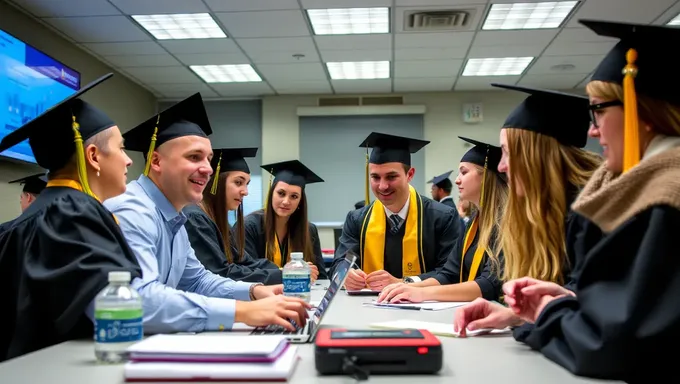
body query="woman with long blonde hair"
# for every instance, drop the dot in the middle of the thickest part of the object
(467, 273)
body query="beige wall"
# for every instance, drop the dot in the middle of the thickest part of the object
(125, 101)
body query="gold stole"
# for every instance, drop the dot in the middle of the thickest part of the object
(67, 183)
(372, 238)
(479, 252)
(277, 251)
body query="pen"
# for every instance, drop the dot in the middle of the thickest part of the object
(409, 307)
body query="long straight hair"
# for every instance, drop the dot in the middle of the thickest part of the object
(215, 206)
(494, 200)
(298, 229)
(532, 230)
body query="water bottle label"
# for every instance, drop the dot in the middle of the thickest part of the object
(118, 325)
(302, 284)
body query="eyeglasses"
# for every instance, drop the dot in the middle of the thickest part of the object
(592, 108)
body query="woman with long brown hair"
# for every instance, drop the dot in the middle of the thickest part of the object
(209, 231)
(282, 227)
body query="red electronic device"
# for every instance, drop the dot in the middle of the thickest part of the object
(363, 352)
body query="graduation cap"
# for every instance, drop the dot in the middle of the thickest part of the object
(229, 159)
(564, 116)
(442, 181)
(59, 132)
(33, 184)
(186, 118)
(292, 172)
(640, 62)
(391, 149)
(482, 154)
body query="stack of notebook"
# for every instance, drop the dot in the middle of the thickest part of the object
(211, 358)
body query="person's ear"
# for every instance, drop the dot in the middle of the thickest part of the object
(409, 175)
(92, 155)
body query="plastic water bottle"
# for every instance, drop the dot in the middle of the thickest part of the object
(297, 278)
(118, 319)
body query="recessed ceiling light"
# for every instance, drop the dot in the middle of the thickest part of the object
(353, 70)
(241, 73)
(498, 66)
(675, 21)
(181, 26)
(346, 21)
(528, 15)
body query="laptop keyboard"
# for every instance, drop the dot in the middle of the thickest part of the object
(278, 330)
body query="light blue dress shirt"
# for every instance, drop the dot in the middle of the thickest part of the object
(178, 293)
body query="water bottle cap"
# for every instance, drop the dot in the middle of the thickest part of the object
(119, 277)
(296, 255)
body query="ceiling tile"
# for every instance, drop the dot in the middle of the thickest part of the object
(163, 60)
(287, 44)
(151, 7)
(301, 87)
(401, 3)
(583, 83)
(581, 35)
(264, 24)
(276, 57)
(432, 68)
(429, 53)
(200, 46)
(322, 4)
(349, 42)
(564, 49)
(482, 83)
(184, 90)
(99, 29)
(497, 38)
(430, 84)
(362, 86)
(475, 7)
(667, 16)
(433, 40)
(242, 89)
(133, 48)
(292, 72)
(637, 11)
(163, 75)
(505, 51)
(251, 5)
(56, 8)
(212, 58)
(553, 81)
(357, 55)
(583, 64)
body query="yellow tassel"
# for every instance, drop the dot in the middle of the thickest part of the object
(80, 158)
(216, 176)
(152, 147)
(367, 198)
(631, 140)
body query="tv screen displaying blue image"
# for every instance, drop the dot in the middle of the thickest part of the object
(30, 83)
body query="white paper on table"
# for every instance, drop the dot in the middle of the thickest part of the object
(440, 329)
(424, 306)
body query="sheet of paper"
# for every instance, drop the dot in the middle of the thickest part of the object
(440, 329)
(205, 345)
(424, 306)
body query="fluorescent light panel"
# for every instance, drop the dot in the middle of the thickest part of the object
(359, 70)
(528, 15)
(181, 26)
(675, 21)
(501, 66)
(347, 21)
(242, 73)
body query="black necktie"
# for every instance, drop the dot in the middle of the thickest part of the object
(395, 220)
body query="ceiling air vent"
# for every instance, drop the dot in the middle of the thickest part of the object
(360, 101)
(441, 20)
(339, 101)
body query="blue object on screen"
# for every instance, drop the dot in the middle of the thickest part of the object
(30, 83)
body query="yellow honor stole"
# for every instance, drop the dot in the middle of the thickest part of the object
(479, 252)
(67, 183)
(372, 239)
(277, 257)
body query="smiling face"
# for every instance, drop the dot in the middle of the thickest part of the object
(390, 184)
(286, 198)
(236, 189)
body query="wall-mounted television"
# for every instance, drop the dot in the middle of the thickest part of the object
(30, 83)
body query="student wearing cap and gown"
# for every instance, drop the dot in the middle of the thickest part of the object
(401, 236)
(179, 294)
(208, 228)
(56, 256)
(546, 167)
(441, 189)
(283, 226)
(622, 322)
(32, 186)
(468, 274)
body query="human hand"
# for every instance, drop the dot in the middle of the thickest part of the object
(356, 280)
(527, 297)
(482, 313)
(314, 271)
(264, 291)
(280, 310)
(398, 292)
(380, 279)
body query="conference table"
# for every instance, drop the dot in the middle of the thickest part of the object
(496, 359)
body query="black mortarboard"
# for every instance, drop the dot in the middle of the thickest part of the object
(292, 172)
(232, 159)
(442, 181)
(392, 149)
(32, 184)
(656, 75)
(564, 116)
(51, 134)
(482, 153)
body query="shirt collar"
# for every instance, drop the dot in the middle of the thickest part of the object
(446, 198)
(661, 143)
(162, 203)
(404, 209)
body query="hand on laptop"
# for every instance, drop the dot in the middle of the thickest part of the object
(356, 280)
(315, 271)
(280, 310)
(380, 279)
(264, 291)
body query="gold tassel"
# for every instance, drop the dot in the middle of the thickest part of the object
(216, 177)
(152, 147)
(631, 140)
(80, 158)
(367, 198)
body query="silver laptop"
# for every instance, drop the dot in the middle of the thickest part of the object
(307, 333)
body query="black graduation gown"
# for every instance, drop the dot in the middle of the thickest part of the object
(5, 226)
(206, 240)
(487, 278)
(448, 201)
(441, 230)
(256, 241)
(53, 261)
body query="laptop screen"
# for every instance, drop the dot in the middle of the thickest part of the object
(337, 280)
